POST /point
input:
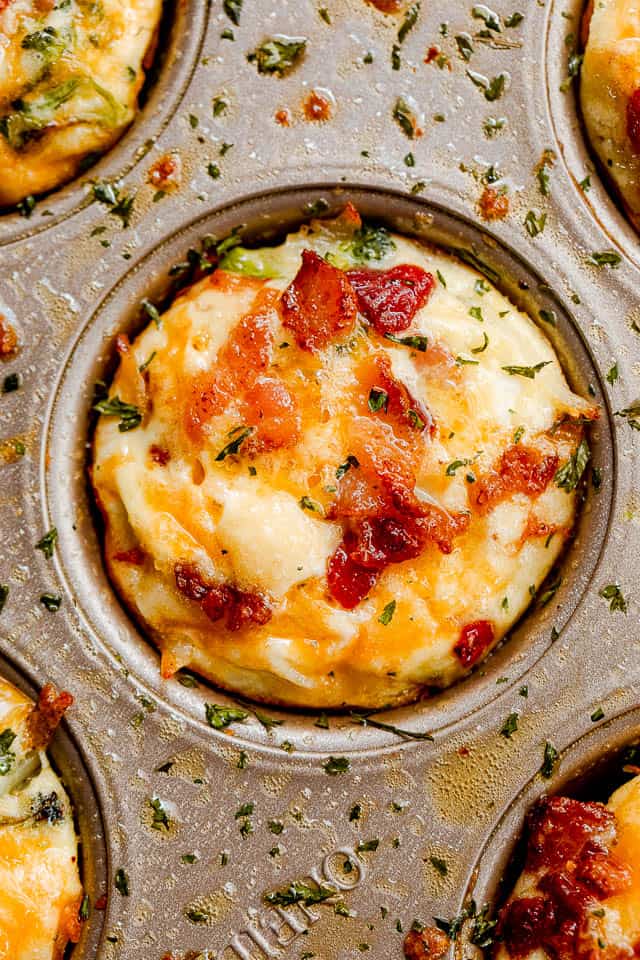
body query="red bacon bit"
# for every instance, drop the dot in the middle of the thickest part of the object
(282, 118)
(159, 455)
(569, 844)
(388, 6)
(432, 54)
(101, 902)
(521, 469)
(135, 556)
(317, 107)
(272, 408)
(245, 354)
(46, 715)
(386, 522)
(349, 583)
(475, 640)
(492, 204)
(240, 607)
(319, 305)
(633, 120)
(390, 299)
(409, 415)
(8, 336)
(426, 944)
(166, 172)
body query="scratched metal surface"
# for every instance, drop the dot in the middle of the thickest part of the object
(68, 289)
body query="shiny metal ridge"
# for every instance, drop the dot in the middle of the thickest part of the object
(252, 808)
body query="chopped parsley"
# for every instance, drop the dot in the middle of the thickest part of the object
(465, 46)
(607, 258)
(409, 22)
(529, 372)
(308, 503)
(120, 204)
(613, 374)
(491, 19)
(7, 756)
(535, 224)
(439, 865)
(404, 117)
(366, 720)
(239, 435)
(371, 243)
(122, 882)
(51, 602)
(631, 415)
(597, 715)
(351, 461)
(613, 594)
(368, 846)
(569, 474)
(485, 344)
(492, 89)
(336, 765)
(510, 726)
(233, 8)
(220, 717)
(298, 892)
(48, 543)
(550, 760)
(416, 341)
(386, 616)
(278, 55)
(160, 818)
(378, 400)
(130, 416)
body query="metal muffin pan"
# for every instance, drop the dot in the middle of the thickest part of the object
(70, 282)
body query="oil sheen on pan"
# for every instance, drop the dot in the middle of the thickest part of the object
(40, 891)
(70, 75)
(579, 892)
(335, 471)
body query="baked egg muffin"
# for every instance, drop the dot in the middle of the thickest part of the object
(70, 75)
(610, 94)
(335, 471)
(579, 893)
(40, 891)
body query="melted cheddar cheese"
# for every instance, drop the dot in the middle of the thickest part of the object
(70, 75)
(610, 94)
(40, 891)
(257, 496)
(595, 887)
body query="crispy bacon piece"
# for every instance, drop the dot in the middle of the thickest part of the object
(475, 640)
(521, 469)
(492, 204)
(390, 299)
(239, 607)
(426, 944)
(8, 336)
(319, 305)
(46, 715)
(386, 522)
(159, 455)
(317, 107)
(244, 356)
(408, 414)
(569, 852)
(633, 120)
(270, 406)
(166, 172)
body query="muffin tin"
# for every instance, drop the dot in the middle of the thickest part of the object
(73, 280)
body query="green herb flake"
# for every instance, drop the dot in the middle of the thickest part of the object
(278, 55)
(613, 594)
(405, 117)
(4, 593)
(606, 258)
(597, 715)
(350, 462)
(529, 372)
(120, 204)
(51, 602)
(378, 400)
(613, 374)
(386, 616)
(336, 765)
(569, 474)
(48, 543)
(368, 846)
(409, 22)
(11, 383)
(631, 415)
(129, 414)
(298, 892)
(514, 20)
(535, 224)
(491, 19)
(7, 756)
(214, 171)
(439, 865)
(122, 882)
(415, 341)
(160, 818)
(233, 8)
(355, 813)
(220, 717)
(510, 726)
(371, 243)
(550, 760)
(239, 435)
(465, 46)
(308, 503)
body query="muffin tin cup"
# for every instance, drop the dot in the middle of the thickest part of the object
(73, 283)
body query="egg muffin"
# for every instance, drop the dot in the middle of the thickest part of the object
(70, 76)
(335, 471)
